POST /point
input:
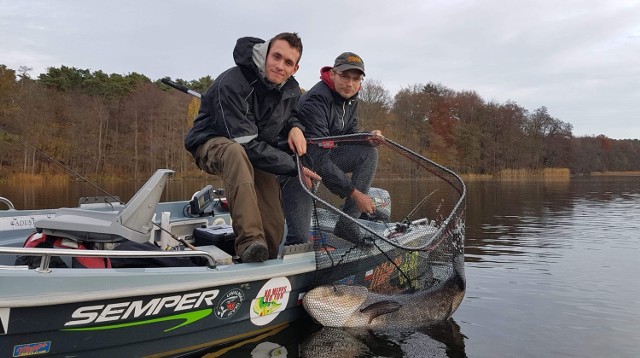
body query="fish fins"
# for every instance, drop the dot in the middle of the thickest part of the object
(379, 308)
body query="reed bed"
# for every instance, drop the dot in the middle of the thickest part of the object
(616, 174)
(547, 174)
(37, 178)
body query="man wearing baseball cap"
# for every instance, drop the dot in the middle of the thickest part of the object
(329, 108)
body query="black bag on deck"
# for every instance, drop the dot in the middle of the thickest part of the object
(124, 262)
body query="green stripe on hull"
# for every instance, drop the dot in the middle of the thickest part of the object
(188, 317)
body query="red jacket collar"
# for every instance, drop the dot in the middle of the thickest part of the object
(324, 76)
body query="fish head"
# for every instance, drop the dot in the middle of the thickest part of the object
(332, 306)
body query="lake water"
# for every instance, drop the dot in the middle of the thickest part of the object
(552, 271)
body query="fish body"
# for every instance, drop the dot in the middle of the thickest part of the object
(356, 306)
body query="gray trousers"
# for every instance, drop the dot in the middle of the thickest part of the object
(359, 160)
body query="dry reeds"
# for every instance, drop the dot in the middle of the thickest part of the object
(473, 176)
(615, 174)
(547, 174)
(37, 178)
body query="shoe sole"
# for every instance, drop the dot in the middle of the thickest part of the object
(255, 253)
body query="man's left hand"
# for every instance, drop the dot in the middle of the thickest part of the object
(376, 137)
(309, 176)
(297, 142)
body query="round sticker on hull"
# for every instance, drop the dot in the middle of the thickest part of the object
(271, 300)
(229, 304)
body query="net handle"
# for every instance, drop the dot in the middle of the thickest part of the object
(458, 185)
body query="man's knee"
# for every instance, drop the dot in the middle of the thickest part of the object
(234, 151)
(368, 154)
(236, 165)
(372, 153)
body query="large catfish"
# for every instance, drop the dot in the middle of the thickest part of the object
(356, 306)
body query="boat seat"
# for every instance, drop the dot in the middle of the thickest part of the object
(132, 222)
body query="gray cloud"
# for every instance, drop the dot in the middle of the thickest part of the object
(577, 58)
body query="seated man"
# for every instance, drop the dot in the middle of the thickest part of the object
(235, 136)
(329, 108)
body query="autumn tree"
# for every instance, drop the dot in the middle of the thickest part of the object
(411, 108)
(468, 136)
(125, 125)
(8, 87)
(373, 105)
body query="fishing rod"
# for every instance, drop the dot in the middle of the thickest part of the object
(95, 186)
(180, 87)
(407, 220)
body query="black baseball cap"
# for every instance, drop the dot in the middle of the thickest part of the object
(349, 61)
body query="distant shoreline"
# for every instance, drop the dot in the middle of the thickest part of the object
(507, 174)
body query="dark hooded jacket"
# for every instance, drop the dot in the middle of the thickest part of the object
(324, 112)
(243, 106)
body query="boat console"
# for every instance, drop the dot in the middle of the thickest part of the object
(202, 202)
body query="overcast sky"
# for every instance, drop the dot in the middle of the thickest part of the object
(580, 59)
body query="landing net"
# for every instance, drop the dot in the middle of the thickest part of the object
(411, 239)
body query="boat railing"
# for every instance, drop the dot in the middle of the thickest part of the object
(47, 253)
(7, 202)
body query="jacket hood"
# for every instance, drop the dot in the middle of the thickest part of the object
(324, 76)
(243, 55)
(250, 54)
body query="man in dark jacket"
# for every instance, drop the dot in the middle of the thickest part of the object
(328, 109)
(236, 132)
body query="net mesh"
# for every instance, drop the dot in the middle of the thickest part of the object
(409, 242)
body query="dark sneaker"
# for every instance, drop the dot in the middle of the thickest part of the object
(256, 252)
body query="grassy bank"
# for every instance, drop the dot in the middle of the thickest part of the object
(613, 174)
(36, 178)
(60, 178)
(548, 174)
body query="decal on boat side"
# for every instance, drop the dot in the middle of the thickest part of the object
(349, 280)
(21, 222)
(4, 320)
(271, 300)
(229, 303)
(144, 308)
(31, 349)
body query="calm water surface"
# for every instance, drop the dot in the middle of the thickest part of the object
(552, 271)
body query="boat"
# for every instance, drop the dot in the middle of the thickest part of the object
(152, 278)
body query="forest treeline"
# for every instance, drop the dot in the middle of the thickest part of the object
(110, 125)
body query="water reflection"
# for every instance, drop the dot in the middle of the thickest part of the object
(514, 217)
(548, 268)
(551, 270)
(46, 195)
(305, 339)
(442, 339)
(339, 342)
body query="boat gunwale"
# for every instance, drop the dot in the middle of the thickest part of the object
(47, 253)
(171, 278)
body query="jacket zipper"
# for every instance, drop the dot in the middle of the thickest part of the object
(344, 111)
